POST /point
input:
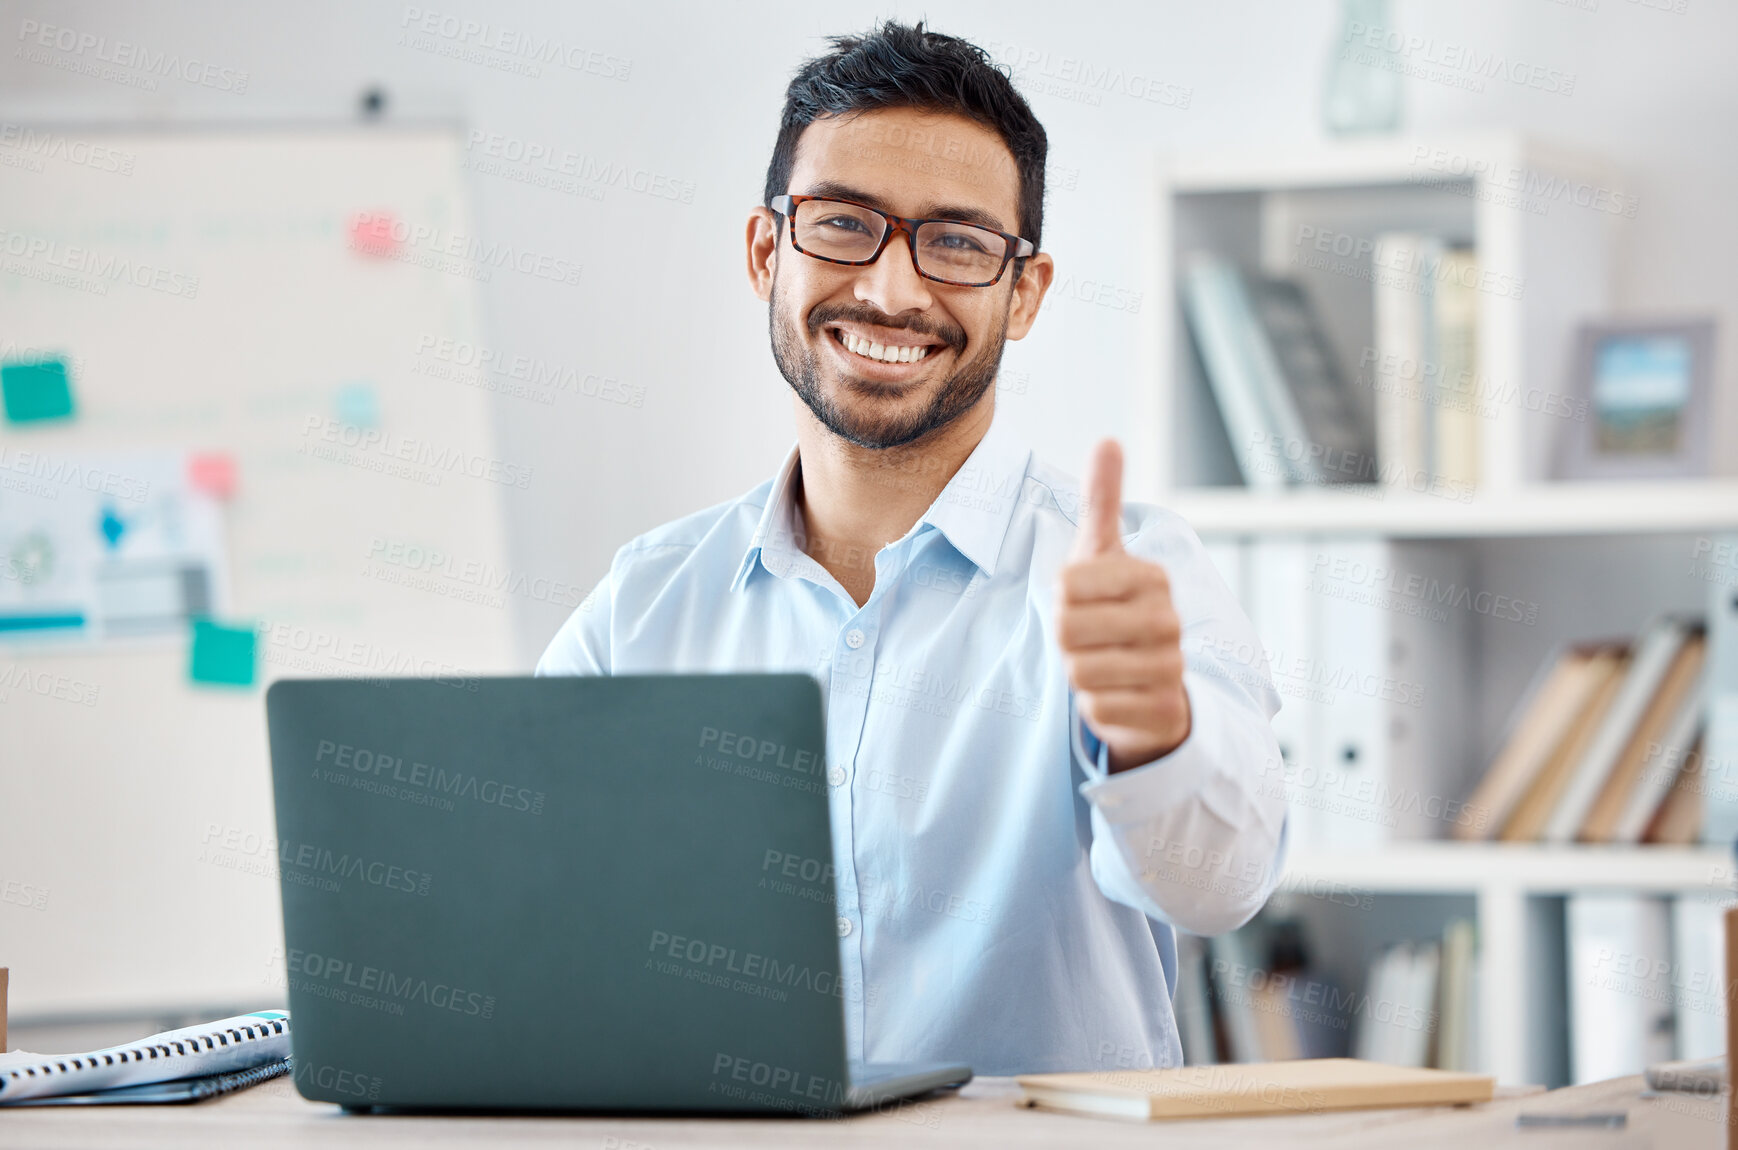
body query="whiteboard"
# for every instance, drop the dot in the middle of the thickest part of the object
(209, 294)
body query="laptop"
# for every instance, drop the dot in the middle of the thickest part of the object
(609, 893)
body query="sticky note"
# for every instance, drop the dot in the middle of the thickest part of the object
(358, 405)
(221, 654)
(372, 233)
(36, 391)
(212, 472)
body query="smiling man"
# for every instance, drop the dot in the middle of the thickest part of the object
(1048, 739)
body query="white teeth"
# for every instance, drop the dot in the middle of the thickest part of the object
(881, 352)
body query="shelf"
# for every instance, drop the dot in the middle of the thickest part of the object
(1665, 507)
(1369, 162)
(1449, 868)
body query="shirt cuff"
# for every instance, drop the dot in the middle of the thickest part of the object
(1143, 791)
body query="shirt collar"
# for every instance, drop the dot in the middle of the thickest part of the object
(973, 511)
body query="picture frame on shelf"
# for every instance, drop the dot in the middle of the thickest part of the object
(1644, 387)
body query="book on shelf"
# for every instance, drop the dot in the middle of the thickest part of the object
(1598, 749)
(1549, 708)
(1288, 408)
(1681, 814)
(1425, 362)
(1420, 1002)
(1534, 810)
(1458, 442)
(1656, 651)
(1259, 999)
(1664, 766)
(1399, 1018)
(1405, 353)
(1676, 694)
(1334, 423)
(1457, 999)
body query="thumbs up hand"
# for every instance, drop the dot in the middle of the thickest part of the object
(1119, 633)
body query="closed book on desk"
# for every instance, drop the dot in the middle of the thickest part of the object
(1299, 1087)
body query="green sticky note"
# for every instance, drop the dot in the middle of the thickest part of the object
(221, 654)
(36, 391)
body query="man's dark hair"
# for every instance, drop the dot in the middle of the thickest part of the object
(900, 66)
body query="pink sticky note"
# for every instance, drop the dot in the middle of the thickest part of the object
(372, 233)
(213, 472)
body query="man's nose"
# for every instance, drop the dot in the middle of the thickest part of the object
(891, 283)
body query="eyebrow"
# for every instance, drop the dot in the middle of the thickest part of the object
(964, 215)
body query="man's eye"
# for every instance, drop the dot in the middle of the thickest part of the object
(842, 223)
(959, 242)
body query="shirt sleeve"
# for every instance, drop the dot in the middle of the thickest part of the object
(582, 646)
(1196, 837)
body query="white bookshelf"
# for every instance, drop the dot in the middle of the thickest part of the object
(1610, 553)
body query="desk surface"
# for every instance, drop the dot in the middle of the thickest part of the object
(983, 1114)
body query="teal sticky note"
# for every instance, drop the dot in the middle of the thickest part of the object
(36, 391)
(357, 405)
(221, 654)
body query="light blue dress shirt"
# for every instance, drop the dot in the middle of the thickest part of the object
(994, 909)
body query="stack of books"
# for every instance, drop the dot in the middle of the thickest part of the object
(1604, 747)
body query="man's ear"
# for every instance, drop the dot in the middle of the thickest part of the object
(1029, 292)
(763, 236)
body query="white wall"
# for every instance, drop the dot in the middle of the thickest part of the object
(663, 304)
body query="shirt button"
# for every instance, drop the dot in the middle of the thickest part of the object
(844, 926)
(836, 776)
(853, 638)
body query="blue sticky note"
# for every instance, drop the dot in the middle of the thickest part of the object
(33, 392)
(221, 654)
(357, 405)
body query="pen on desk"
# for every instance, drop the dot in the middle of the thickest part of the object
(1614, 1119)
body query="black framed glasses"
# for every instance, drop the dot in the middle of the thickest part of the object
(947, 251)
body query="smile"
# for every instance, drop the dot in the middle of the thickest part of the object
(881, 350)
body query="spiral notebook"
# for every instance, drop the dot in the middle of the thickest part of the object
(242, 1043)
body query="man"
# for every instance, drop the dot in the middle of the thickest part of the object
(979, 631)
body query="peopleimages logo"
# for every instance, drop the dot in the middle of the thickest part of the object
(437, 780)
(330, 969)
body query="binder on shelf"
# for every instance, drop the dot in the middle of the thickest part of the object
(1698, 958)
(1391, 669)
(1283, 611)
(1620, 998)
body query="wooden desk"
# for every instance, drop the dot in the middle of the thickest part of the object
(984, 1114)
